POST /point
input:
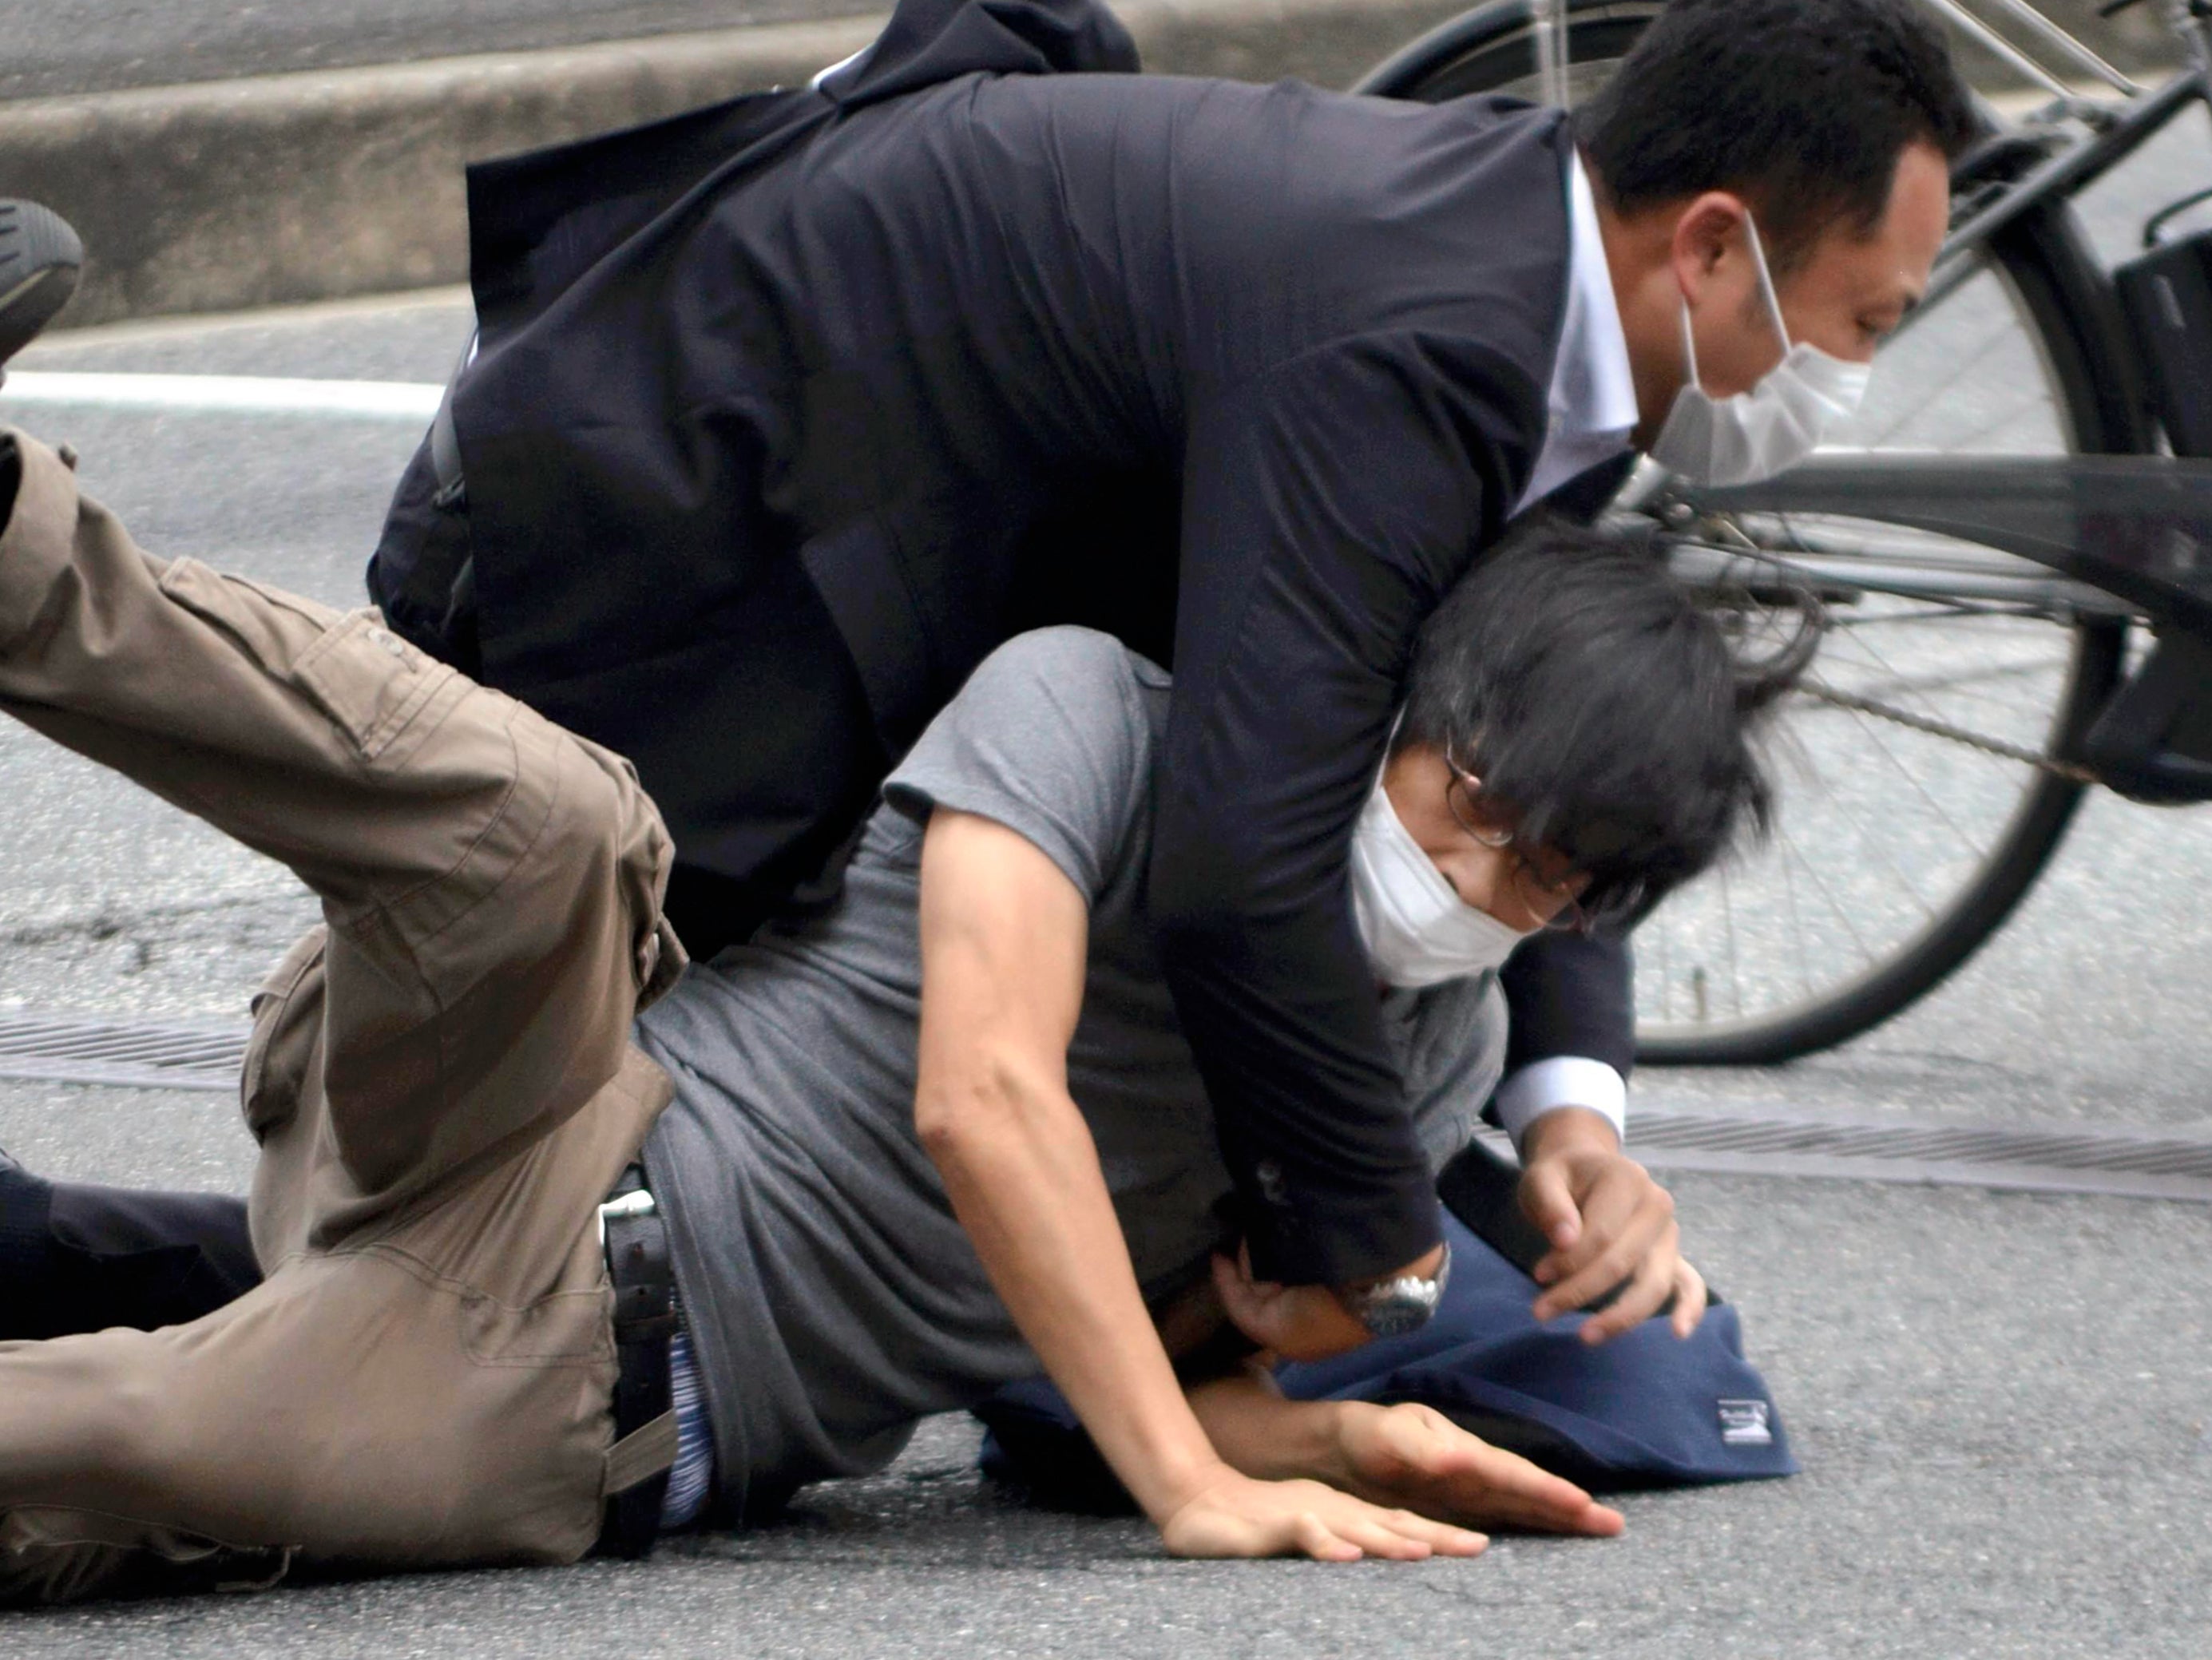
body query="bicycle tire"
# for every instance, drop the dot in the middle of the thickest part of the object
(2068, 309)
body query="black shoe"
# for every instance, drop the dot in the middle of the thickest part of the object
(22, 1230)
(40, 258)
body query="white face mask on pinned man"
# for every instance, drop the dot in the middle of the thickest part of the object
(1416, 927)
(1769, 430)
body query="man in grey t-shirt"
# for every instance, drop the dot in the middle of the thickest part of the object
(831, 1295)
(886, 1203)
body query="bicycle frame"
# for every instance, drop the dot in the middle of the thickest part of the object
(2121, 132)
(2138, 527)
(2125, 131)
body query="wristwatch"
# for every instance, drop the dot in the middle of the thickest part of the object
(1391, 1308)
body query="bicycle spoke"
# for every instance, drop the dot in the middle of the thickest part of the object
(1867, 953)
(1919, 790)
(1796, 928)
(1880, 844)
(1727, 933)
(1904, 685)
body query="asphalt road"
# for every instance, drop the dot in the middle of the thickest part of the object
(2001, 1400)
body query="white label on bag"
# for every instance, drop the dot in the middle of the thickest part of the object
(1743, 1424)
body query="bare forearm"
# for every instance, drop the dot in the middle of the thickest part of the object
(1004, 939)
(1024, 1181)
(1261, 1434)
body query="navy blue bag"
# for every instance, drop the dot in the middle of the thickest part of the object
(1646, 1409)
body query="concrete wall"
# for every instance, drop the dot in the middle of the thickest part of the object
(227, 194)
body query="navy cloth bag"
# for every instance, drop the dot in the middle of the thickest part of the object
(1646, 1409)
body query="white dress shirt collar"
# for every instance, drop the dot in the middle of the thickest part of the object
(1593, 395)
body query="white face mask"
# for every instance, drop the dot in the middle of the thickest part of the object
(1769, 430)
(1416, 927)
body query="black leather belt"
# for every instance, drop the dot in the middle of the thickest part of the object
(637, 1242)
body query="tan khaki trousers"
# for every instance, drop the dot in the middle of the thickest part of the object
(441, 1080)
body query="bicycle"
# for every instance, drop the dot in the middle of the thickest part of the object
(2005, 624)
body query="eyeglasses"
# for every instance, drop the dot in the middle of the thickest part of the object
(1546, 883)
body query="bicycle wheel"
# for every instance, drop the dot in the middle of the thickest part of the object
(1897, 851)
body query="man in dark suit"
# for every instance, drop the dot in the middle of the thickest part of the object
(783, 414)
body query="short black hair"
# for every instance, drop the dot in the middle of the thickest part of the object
(1604, 710)
(1803, 107)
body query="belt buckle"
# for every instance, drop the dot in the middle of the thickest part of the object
(637, 1202)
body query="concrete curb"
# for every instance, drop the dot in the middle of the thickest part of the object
(237, 193)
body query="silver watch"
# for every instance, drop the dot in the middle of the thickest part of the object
(1391, 1308)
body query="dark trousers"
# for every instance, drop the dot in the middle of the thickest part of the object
(1647, 1409)
(76, 1257)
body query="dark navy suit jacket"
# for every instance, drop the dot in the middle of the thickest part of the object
(786, 412)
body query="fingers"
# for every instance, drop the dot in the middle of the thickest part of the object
(1613, 1248)
(1627, 1239)
(1619, 1203)
(1307, 1518)
(1649, 1285)
(1690, 1299)
(1311, 1536)
(1387, 1535)
(1592, 1521)
(1230, 1287)
(1548, 1504)
(1243, 1519)
(1543, 1513)
(1548, 1202)
(1619, 1262)
(1297, 1322)
(1519, 1491)
(1465, 1476)
(1245, 1539)
(1399, 1536)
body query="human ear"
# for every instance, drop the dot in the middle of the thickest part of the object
(1705, 231)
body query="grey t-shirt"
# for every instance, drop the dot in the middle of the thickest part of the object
(832, 1297)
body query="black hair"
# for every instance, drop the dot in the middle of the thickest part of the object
(1803, 107)
(1604, 711)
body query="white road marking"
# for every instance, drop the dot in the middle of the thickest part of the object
(411, 401)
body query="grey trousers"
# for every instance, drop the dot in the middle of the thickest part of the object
(441, 1080)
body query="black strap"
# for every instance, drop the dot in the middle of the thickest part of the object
(645, 1319)
(445, 442)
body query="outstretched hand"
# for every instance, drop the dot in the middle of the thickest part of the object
(1235, 1515)
(1412, 1455)
(1609, 1224)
